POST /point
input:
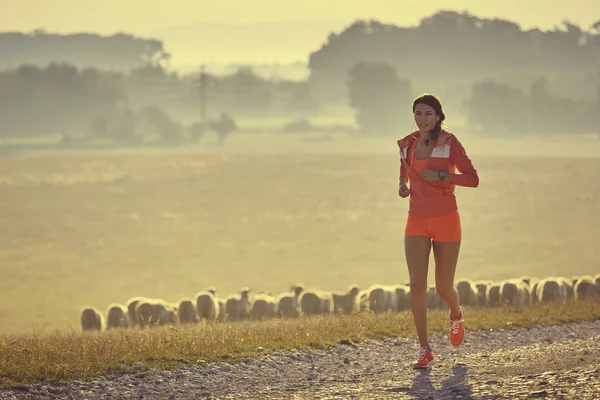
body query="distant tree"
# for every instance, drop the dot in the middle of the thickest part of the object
(302, 103)
(159, 122)
(494, 107)
(378, 97)
(224, 127)
(246, 92)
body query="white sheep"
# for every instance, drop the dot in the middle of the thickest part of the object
(467, 292)
(262, 307)
(492, 294)
(568, 287)
(551, 289)
(512, 292)
(314, 302)
(168, 313)
(91, 319)
(346, 303)
(237, 306)
(533, 292)
(482, 287)
(585, 288)
(382, 298)
(574, 279)
(131, 310)
(222, 311)
(207, 305)
(402, 297)
(117, 316)
(434, 301)
(287, 303)
(363, 300)
(152, 312)
(187, 312)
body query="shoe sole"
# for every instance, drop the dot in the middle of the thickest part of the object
(425, 366)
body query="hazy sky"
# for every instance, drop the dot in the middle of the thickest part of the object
(314, 19)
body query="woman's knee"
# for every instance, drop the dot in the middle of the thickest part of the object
(444, 291)
(418, 285)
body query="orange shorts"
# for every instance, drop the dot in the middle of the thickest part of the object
(442, 228)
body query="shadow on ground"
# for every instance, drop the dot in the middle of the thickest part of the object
(454, 386)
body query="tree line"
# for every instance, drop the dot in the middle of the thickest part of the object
(61, 98)
(449, 45)
(370, 67)
(118, 52)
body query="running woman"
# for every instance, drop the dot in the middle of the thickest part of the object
(429, 158)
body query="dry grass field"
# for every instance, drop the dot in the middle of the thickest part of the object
(98, 227)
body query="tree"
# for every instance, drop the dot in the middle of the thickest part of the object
(378, 97)
(495, 107)
(224, 126)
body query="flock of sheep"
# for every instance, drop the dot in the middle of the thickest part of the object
(206, 306)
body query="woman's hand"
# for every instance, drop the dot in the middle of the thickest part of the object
(429, 175)
(403, 190)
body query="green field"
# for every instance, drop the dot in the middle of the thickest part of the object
(98, 227)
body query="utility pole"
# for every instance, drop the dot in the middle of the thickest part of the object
(203, 87)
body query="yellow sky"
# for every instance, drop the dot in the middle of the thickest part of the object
(155, 16)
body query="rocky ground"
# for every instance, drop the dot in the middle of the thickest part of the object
(554, 362)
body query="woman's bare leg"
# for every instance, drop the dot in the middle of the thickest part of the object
(446, 258)
(417, 250)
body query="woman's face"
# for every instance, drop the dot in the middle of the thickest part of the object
(425, 117)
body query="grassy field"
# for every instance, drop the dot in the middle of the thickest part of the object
(93, 228)
(67, 356)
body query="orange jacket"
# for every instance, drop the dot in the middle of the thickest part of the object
(428, 199)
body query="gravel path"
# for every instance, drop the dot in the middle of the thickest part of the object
(545, 362)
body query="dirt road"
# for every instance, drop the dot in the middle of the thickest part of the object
(555, 362)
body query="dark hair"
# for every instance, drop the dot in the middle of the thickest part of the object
(434, 103)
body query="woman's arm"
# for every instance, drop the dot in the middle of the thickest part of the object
(468, 174)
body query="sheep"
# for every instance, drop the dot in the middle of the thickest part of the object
(481, 291)
(363, 300)
(525, 283)
(568, 287)
(533, 292)
(237, 306)
(382, 298)
(467, 292)
(91, 319)
(207, 305)
(167, 313)
(526, 279)
(117, 316)
(313, 302)
(512, 293)
(263, 307)
(346, 303)
(402, 297)
(187, 312)
(287, 303)
(492, 294)
(153, 312)
(585, 288)
(222, 312)
(434, 300)
(147, 314)
(131, 309)
(551, 289)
